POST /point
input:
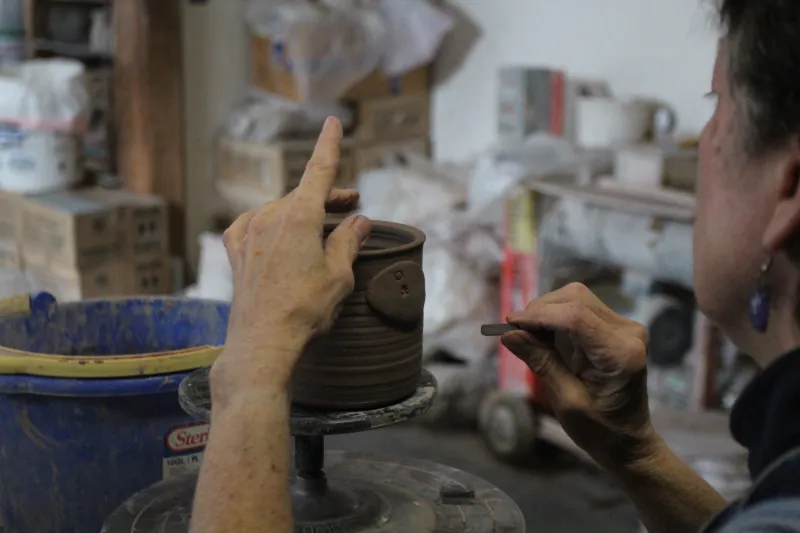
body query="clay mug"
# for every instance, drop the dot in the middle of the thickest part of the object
(372, 357)
(606, 122)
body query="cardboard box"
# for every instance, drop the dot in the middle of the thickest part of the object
(10, 256)
(273, 75)
(110, 278)
(375, 156)
(150, 276)
(275, 168)
(68, 230)
(680, 170)
(10, 216)
(142, 222)
(69, 284)
(393, 117)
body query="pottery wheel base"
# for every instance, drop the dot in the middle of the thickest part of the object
(364, 495)
(341, 506)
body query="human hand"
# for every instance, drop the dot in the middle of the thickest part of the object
(592, 362)
(287, 282)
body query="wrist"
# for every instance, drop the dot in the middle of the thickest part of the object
(251, 402)
(640, 452)
(251, 369)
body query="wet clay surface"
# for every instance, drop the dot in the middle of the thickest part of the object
(372, 356)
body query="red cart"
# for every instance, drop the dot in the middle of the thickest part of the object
(509, 415)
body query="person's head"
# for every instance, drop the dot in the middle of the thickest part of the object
(748, 199)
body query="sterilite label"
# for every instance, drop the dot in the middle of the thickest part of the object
(184, 448)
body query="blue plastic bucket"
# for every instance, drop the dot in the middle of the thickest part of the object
(72, 450)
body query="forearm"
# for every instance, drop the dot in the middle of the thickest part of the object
(244, 480)
(670, 496)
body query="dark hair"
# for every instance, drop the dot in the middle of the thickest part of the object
(763, 42)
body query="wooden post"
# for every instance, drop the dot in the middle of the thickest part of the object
(706, 353)
(148, 87)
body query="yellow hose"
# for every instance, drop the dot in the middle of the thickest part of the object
(97, 366)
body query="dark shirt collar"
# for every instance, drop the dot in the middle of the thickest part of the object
(766, 417)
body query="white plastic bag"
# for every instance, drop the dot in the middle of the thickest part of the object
(327, 49)
(45, 94)
(44, 109)
(214, 275)
(415, 30)
(262, 117)
(458, 295)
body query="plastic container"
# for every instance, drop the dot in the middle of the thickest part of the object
(72, 450)
(38, 161)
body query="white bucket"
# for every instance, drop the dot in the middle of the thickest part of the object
(36, 161)
(12, 50)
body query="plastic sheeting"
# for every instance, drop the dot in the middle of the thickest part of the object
(656, 248)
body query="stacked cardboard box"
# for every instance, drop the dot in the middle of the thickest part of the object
(10, 230)
(392, 114)
(392, 122)
(274, 75)
(92, 243)
(270, 170)
(390, 128)
(143, 263)
(68, 243)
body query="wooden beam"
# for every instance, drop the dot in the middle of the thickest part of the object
(148, 86)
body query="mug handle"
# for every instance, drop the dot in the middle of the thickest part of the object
(665, 121)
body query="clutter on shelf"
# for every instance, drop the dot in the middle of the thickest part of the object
(81, 31)
(331, 50)
(366, 63)
(12, 33)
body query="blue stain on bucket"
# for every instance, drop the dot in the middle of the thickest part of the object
(72, 450)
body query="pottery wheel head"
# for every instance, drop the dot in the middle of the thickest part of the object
(194, 394)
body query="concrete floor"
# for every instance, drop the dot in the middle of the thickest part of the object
(559, 495)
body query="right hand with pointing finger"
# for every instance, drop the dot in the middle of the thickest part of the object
(592, 362)
(287, 281)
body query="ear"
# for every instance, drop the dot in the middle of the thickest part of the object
(785, 222)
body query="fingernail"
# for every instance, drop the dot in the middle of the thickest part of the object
(515, 340)
(330, 126)
(362, 226)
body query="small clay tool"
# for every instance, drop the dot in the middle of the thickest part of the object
(496, 330)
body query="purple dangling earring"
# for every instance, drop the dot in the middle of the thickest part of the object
(760, 300)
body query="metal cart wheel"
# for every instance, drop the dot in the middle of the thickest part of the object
(508, 426)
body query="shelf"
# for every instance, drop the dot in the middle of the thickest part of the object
(75, 51)
(657, 203)
(99, 3)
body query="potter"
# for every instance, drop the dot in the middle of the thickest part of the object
(746, 275)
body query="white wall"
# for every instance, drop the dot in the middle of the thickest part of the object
(216, 66)
(659, 48)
